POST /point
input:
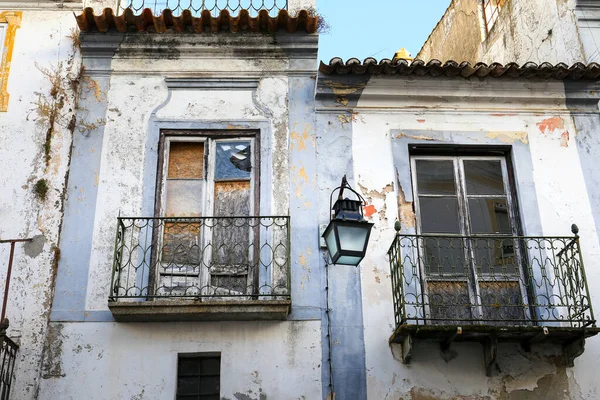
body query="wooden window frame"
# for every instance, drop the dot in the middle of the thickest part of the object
(458, 157)
(210, 138)
(490, 20)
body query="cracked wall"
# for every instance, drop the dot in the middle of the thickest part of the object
(526, 30)
(114, 171)
(35, 144)
(551, 189)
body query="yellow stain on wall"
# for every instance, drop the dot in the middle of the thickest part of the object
(509, 137)
(302, 174)
(13, 21)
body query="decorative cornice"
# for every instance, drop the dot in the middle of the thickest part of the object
(232, 83)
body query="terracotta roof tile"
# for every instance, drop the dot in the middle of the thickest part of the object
(434, 68)
(146, 21)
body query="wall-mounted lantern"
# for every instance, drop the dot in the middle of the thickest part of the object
(347, 234)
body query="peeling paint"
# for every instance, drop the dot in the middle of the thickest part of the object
(302, 174)
(342, 100)
(416, 137)
(372, 195)
(551, 124)
(406, 212)
(509, 137)
(370, 210)
(564, 139)
(340, 89)
(35, 247)
(344, 118)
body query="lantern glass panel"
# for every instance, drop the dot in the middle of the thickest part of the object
(353, 237)
(348, 260)
(330, 240)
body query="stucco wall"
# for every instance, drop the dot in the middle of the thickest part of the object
(457, 36)
(526, 30)
(43, 58)
(114, 171)
(552, 194)
(139, 361)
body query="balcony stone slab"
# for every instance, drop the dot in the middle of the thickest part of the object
(199, 310)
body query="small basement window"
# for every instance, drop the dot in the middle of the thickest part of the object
(491, 11)
(198, 377)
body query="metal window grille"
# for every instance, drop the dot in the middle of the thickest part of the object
(8, 355)
(491, 11)
(198, 377)
(197, 6)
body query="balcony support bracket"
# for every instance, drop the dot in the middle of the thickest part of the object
(572, 350)
(445, 344)
(526, 344)
(407, 349)
(490, 350)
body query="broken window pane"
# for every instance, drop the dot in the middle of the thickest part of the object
(484, 177)
(233, 161)
(435, 177)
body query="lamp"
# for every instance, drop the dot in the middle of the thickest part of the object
(347, 234)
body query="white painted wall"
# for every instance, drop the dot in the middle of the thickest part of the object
(41, 44)
(266, 360)
(562, 197)
(534, 30)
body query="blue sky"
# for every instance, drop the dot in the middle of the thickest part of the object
(376, 28)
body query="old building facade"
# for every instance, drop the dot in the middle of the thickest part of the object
(188, 159)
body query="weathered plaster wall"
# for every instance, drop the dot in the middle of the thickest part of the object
(526, 30)
(259, 360)
(588, 19)
(225, 82)
(551, 186)
(457, 36)
(35, 139)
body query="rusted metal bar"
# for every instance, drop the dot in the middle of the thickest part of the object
(8, 272)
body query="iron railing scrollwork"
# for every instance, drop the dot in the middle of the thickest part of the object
(202, 257)
(197, 6)
(8, 356)
(489, 280)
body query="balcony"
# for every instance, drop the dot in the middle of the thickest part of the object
(196, 7)
(489, 289)
(8, 355)
(201, 268)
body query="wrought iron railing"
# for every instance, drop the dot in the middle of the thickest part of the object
(203, 257)
(489, 280)
(197, 6)
(8, 355)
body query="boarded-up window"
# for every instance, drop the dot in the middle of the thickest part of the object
(208, 190)
(469, 255)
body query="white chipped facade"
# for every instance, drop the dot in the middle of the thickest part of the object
(70, 345)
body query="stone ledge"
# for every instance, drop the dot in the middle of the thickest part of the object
(199, 310)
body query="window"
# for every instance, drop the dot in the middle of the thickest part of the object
(491, 11)
(208, 197)
(467, 221)
(198, 377)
